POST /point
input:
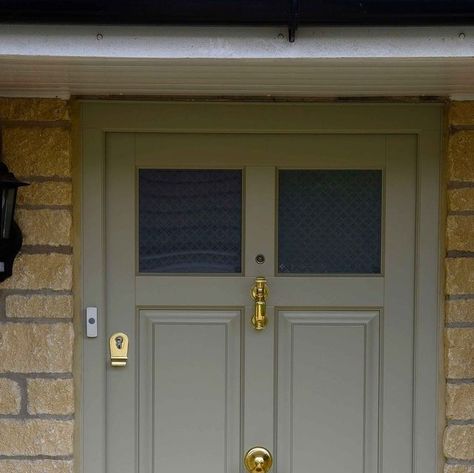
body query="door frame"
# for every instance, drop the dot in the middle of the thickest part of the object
(96, 118)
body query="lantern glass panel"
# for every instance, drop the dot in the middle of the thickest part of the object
(8, 209)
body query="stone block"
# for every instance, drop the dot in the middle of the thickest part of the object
(461, 113)
(461, 199)
(36, 466)
(45, 227)
(460, 233)
(10, 396)
(36, 348)
(461, 156)
(459, 469)
(50, 396)
(36, 437)
(45, 193)
(41, 271)
(459, 353)
(459, 442)
(33, 109)
(460, 311)
(37, 151)
(460, 275)
(460, 401)
(39, 306)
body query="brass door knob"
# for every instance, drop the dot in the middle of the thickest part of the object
(258, 460)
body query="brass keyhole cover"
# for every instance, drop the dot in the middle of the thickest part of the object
(258, 460)
(118, 344)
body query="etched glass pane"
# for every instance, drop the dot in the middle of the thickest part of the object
(190, 221)
(329, 221)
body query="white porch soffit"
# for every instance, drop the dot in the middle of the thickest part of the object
(59, 61)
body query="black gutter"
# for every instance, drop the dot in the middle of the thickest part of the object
(239, 12)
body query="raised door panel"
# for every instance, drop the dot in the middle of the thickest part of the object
(328, 391)
(189, 391)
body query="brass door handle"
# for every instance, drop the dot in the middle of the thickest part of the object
(259, 295)
(258, 460)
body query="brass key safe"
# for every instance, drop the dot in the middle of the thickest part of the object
(118, 349)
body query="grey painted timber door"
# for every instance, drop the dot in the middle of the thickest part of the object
(329, 220)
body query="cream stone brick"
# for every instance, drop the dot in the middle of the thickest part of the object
(460, 275)
(45, 193)
(34, 109)
(461, 156)
(459, 442)
(39, 306)
(461, 113)
(31, 348)
(460, 311)
(10, 396)
(36, 466)
(460, 233)
(460, 401)
(36, 437)
(45, 226)
(459, 469)
(41, 271)
(50, 396)
(37, 151)
(459, 353)
(461, 199)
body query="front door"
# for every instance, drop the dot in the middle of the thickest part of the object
(323, 379)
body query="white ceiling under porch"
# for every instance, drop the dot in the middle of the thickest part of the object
(60, 61)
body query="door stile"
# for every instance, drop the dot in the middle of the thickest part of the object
(120, 300)
(397, 384)
(429, 379)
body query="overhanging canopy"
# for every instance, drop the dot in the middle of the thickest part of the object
(37, 60)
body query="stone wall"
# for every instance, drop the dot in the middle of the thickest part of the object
(36, 306)
(459, 340)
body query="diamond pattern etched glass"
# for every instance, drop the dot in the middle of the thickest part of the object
(329, 221)
(190, 221)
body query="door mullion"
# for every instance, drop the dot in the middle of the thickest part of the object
(259, 384)
(259, 220)
(258, 370)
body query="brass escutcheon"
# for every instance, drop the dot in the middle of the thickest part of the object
(118, 343)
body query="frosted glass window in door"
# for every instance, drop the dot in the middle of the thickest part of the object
(190, 221)
(329, 221)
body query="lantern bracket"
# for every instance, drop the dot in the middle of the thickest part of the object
(11, 238)
(9, 249)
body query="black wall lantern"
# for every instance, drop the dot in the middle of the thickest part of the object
(10, 233)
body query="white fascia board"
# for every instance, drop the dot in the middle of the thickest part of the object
(161, 42)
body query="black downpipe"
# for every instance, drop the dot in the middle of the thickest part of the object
(293, 20)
